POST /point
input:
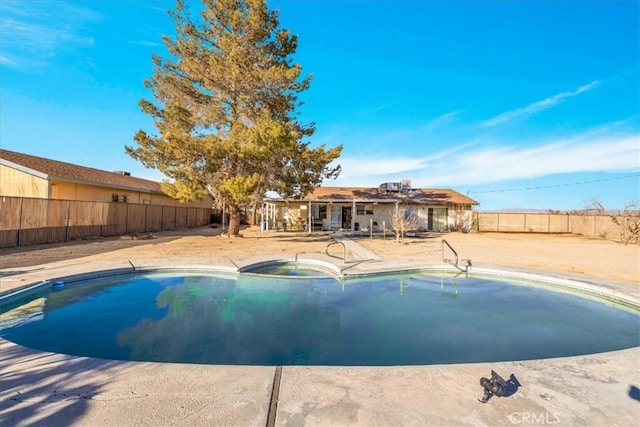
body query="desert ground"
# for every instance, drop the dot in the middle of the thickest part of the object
(576, 255)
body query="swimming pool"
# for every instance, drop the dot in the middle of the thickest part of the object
(373, 320)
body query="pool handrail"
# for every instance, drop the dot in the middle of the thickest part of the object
(455, 261)
(344, 249)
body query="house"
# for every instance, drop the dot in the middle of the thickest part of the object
(371, 209)
(23, 175)
(47, 201)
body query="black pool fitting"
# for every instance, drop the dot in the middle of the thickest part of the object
(498, 386)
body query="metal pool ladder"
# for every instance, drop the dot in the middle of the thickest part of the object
(344, 249)
(454, 262)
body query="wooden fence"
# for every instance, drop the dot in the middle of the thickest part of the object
(597, 226)
(27, 221)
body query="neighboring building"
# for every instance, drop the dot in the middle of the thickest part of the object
(23, 175)
(359, 209)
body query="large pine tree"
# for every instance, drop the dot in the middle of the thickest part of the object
(225, 110)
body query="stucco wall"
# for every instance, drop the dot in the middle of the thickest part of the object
(442, 218)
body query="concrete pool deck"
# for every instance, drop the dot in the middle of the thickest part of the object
(40, 388)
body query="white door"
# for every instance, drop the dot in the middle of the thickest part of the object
(336, 217)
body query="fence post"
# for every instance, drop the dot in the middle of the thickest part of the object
(524, 226)
(20, 222)
(548, 223)
(102, 220)
(66, 232)
(498, 223)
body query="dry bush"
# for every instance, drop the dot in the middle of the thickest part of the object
(295, 220)
(463, 220)
(627, 221)
(402, 220)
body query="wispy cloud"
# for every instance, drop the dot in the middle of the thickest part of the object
(538, 106)
(475, 164)
(355, 168)
(33, 32)
(146, 43)
(373, 110)
(388, 138)
(5, 60)
(605, 154)
(442, 120)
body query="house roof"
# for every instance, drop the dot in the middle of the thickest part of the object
(54, 170)
(367, 194)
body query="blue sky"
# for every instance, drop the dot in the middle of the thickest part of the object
(517, 104)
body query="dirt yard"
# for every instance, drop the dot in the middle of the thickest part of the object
(564, 253)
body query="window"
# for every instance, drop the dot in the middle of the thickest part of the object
(322, 211)
(410, 213)
(363, 209)
(319, 211)
(119, 197)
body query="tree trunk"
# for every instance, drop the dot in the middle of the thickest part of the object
(254, 213)
(234, 221)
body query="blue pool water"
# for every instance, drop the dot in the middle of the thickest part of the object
(377, 321)
(292, 269)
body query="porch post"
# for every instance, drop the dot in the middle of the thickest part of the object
(353, 215)
(262, 225)
(309, 217)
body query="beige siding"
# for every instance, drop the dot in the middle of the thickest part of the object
(16, 183)
(73, 191)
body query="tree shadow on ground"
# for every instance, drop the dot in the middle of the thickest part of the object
(26, 256)
(47, 388)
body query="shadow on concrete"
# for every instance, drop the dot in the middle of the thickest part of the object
(15, 272)
(54, 389)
